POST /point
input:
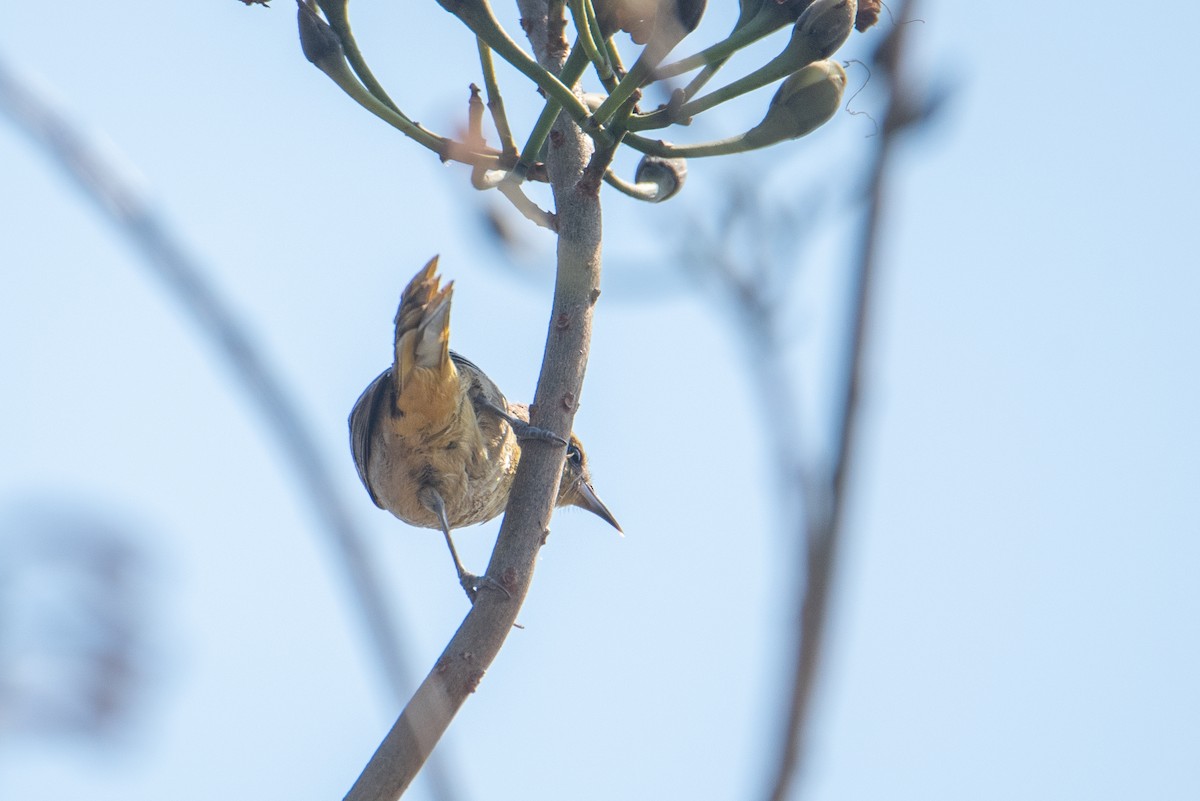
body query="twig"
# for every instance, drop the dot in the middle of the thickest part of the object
(585, 23)
(508, 184)
(323, 47)
(495, 103)
(185, 279)
(336, 13)
(522, 202)
(478, 17)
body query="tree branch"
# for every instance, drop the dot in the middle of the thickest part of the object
(126, 210)
(477, 642)
(825, 499)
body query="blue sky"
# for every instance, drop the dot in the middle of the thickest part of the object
(1016, 614)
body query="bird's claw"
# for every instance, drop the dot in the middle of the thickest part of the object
(472, 584)
(528, 431)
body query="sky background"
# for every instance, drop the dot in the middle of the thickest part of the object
(1016, 616)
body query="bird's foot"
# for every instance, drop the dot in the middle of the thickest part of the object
(473, 584)
(527, 431)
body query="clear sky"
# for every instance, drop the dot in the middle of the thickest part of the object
(1017, 613)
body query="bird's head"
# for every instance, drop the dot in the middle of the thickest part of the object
(575, 489)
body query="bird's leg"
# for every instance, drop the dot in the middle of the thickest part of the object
(525, 430)
(470, 582)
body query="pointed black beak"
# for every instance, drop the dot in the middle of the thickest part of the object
(588, 499)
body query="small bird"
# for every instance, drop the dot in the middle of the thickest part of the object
(435, 441)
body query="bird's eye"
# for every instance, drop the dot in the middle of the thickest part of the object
(574, 455)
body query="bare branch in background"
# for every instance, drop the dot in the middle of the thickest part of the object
(813, 493)
(825, 493)
(184, 278)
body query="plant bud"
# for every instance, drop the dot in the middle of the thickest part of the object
(821, 30)
(667, 175)
(644, 20)
(806, 100)
(317, 39)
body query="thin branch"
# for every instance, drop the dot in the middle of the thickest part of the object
(495, 103)
(584, 18)
(184, 278)
(336, 13)
(825, 501)
(526, 523)
(508, 184)
(324, 49)
(770, 17)
(522, 202)
(478, 17)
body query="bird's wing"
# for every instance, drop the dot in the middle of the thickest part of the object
(485, 396)
(481, 387)
(364, 418)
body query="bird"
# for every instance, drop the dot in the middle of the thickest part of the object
(435, 441)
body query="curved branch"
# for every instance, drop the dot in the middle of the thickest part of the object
(184, 278)
(526, 523)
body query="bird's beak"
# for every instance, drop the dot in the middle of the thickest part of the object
(588, 499)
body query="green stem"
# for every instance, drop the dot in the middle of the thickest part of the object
(339, 20)
(445, 148)
(776, 69)
(614, 57)
(767, 21)
(323, 47)
(477, 15)
(572, 70)
(703, 77)
(495, 103)
(638, 74)
(587, 28)
(645, 191)
(719, 147)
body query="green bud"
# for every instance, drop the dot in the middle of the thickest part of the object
(806, 100)
(317, 39)
(665, 175)
(820, 31)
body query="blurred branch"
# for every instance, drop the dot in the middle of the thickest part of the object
(825, 496)
(812, 492)
(129, 213)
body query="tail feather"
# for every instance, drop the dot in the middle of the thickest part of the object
(432, 347)
(423, 324)
(426, 379)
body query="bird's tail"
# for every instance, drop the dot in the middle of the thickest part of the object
(426, 379)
